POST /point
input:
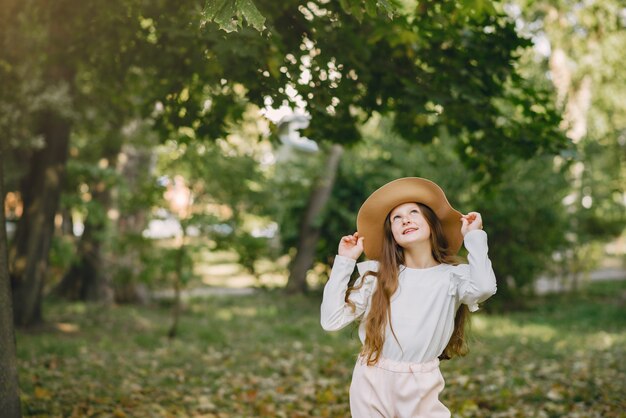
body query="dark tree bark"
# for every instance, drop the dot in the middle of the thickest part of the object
(41, 186)
(41, 191)
(309, 230)
(9, 387)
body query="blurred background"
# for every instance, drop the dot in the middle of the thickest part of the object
(176, 178)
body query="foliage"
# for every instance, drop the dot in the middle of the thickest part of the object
(291, 181)
(579, 49)
(146, 256)
(229, 14)
(440, 70)
(523, 213)
(432, 68)
(526, 222)
(266, 356)
(435, 65)
(62, 254)
(49, 63)
(250, 249)
(226, 185)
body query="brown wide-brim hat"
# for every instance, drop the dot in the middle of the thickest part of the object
(371, 218)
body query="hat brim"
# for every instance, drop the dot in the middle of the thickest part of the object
(371, 217)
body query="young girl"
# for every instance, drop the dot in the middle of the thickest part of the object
(412, 297)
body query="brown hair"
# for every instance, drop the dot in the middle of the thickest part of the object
(392, 256)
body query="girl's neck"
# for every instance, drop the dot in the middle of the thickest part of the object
(419, 257)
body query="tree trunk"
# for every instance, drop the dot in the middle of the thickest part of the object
(136, 165)
(88, 278)
(178, 283)
(309, 229)
(181, 256)
(42, 185)
(67, 223)
(41, 191)
(9, 388)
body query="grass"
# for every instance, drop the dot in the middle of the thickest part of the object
(265, 355)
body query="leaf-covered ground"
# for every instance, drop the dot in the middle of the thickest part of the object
(265, 355)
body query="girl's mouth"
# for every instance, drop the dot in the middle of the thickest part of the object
(408, 231)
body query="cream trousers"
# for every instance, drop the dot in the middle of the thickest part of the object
(392, 389)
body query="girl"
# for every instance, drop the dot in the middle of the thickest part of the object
(412, 297)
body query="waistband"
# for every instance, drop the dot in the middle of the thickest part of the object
(402, 366)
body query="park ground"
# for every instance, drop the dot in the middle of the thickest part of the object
(265, 355)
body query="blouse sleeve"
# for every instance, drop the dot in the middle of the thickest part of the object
(475, 282)
(335, 312)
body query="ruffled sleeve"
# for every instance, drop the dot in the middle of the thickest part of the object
(475, 282)
(365, 266)
(335, 312)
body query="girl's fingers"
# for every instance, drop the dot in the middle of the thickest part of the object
(351, 238)
(471, 216)
(473, 220)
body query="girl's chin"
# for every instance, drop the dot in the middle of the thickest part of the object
(411, 240)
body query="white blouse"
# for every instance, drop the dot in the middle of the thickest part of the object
(424, 306)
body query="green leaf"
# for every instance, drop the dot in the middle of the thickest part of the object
(371, 7)
(478, 7)
(251, 13)
(387, 7)
(212, 7)
(357, 11)
(222, 12)
(345, 5)
(358, 8)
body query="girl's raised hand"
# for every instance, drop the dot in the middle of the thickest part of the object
(471, 222)
(351, 246)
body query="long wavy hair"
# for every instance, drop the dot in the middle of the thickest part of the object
(392, 256)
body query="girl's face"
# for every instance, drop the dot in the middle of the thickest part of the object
(408, 225)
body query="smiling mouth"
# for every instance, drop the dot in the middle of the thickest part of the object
(409, 231)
